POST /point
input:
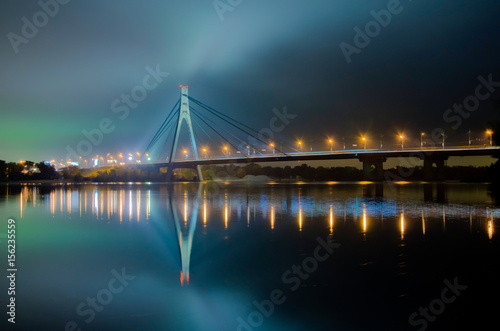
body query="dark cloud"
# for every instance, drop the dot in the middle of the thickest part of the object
(264, 54)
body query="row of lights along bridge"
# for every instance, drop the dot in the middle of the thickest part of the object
(122, 159)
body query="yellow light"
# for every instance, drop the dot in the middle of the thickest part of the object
(271, 144)
(490, 229)
(300, 219)
(402, 225)
(185, 152)
(364, 139)
(401, 137)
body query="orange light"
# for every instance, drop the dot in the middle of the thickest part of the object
(180, 85)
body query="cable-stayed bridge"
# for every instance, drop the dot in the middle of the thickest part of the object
(186, 141)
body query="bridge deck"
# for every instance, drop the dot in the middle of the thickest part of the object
(337, 155)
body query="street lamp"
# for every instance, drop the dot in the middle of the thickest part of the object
(422, 134)
(490, 133)
(402, 141)
(442, 133)
(186, 153)
(205, 151)
(227, 152)
(300, 145)
(272, 146)
(331, 144)
(364, 140)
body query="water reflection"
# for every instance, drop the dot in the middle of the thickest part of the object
(227, 207)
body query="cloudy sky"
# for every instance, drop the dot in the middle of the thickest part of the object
(63, 77)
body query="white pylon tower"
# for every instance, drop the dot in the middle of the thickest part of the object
(184, 115)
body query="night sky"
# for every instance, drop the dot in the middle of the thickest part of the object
(262, 55)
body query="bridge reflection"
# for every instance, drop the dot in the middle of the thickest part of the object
(406, 208)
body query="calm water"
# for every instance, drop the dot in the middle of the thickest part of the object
(204, 257)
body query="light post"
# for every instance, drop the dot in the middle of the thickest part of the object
(185, 153)
(300, 145)
(331, 144)
(442, 133)
(364, 140)
(422, 134)
(227, 152)
(343, 142)
(469, 139)
(205, 152)
(490, 133)
(402, 141)
(272, 146)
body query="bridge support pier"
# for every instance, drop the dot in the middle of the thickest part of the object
(429, 171)
(373, 167)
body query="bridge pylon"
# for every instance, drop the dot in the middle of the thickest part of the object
(184, 116)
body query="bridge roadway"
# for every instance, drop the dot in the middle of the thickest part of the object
(361, 154)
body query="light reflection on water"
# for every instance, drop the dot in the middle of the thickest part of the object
(227, 211)
(109, 202)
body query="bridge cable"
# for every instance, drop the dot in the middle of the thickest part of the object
(201, 128)
(197, 115)
(235, 137)
(219, 114)
(164, 129)
(159, 133)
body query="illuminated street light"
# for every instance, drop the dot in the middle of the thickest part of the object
(490, 133)
(331, 144)
(364, 140)
(402, 141)
(185, 153)
(227, 151)
(422, 134)
(205, 151)
(272, 146)
(300, 145)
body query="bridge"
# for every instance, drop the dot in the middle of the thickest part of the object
(252, 147)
